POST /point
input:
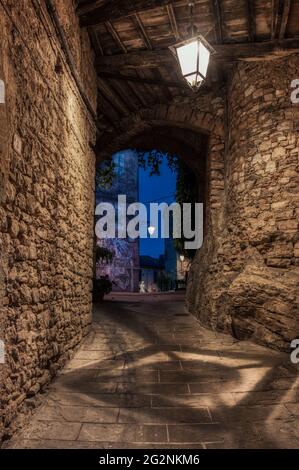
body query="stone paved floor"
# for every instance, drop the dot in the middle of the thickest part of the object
(149, 376)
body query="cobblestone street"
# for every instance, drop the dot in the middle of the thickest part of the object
(150, 376)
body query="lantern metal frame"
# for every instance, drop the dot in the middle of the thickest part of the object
(200, 39)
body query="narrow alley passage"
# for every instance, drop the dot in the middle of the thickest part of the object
(150, 376)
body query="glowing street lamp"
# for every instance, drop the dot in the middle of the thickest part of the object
(151, 230)
(193, 56)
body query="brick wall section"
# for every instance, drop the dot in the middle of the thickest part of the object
(247, 281)
(46, 200)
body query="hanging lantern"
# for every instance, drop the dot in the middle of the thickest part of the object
(193, 55)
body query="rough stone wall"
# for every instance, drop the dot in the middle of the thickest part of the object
(247, 281)
(46, 199)
(245, 278)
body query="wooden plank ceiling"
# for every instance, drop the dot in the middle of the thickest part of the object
(131, 40)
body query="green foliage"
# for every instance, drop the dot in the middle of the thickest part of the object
(105, 174)
(153, 160)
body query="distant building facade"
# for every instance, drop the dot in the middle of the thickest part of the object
(151, 273)
(129, 270)
(124, 271)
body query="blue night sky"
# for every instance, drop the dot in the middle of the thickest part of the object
(156, 189)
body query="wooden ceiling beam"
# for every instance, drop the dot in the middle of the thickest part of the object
(144, 81)
(112, 96)
(121, 89)
(107, 109)
(95, 40)
(138, 60)
(275, 18)
(226, 53)
(95, 12)
(251, 20)
(285, 18)
(114, 34)
(149, 92)
(138, 93)
(256, 50)
(163, 90)
(142, 31)
(218, 21)
(173, 21)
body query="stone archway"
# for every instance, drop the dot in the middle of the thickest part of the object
(250, 247)
(195, 130)
(203, 116)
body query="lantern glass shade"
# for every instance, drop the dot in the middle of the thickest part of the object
(193, 57)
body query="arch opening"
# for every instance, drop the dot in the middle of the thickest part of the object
(191, 148)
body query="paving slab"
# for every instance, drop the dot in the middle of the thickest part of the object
(149, 376)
